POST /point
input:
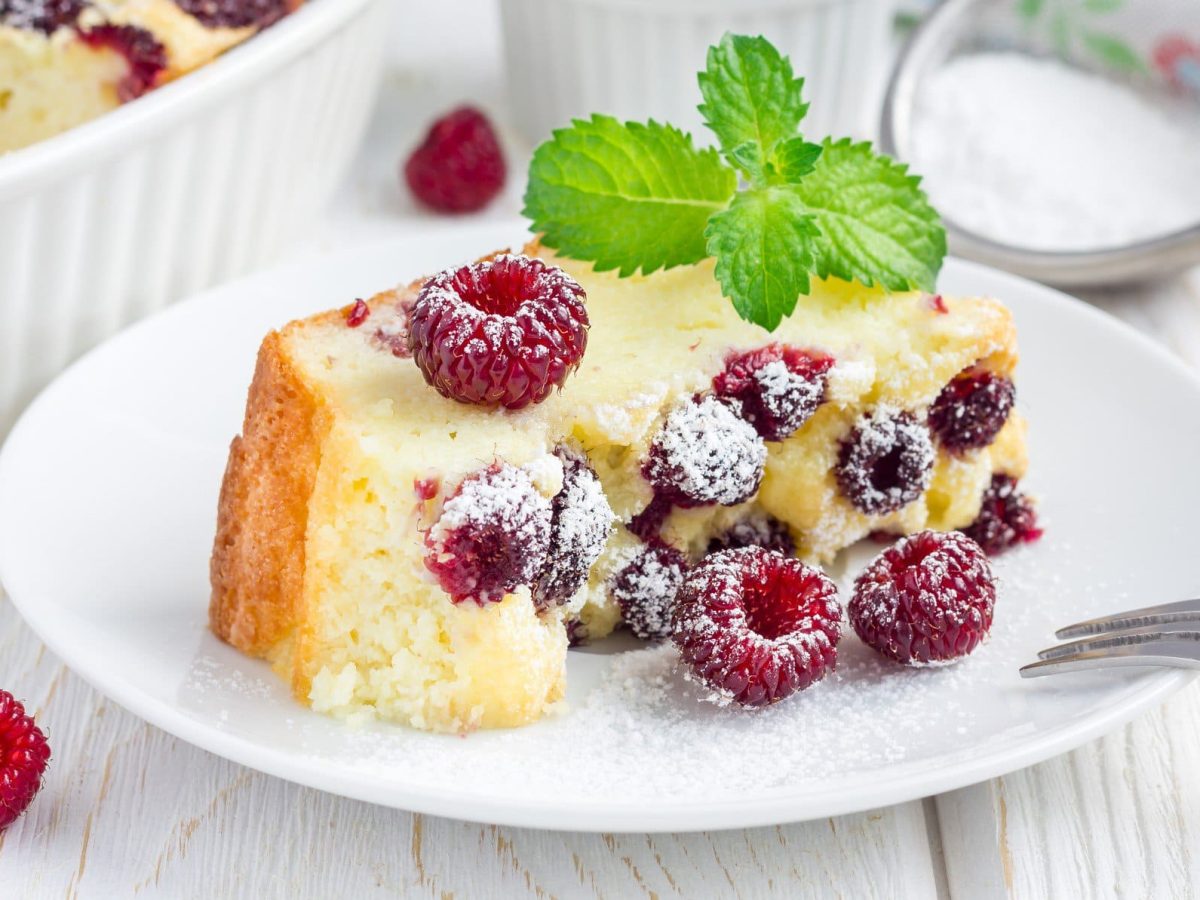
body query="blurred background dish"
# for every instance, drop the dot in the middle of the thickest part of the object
(200, 180)
(637, 59)
(1060, 139)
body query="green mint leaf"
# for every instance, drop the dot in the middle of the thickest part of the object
(750, 94)
(625, 196)
(876, 225)
(748, 157)
(795, 158)
(762, 248)
(1112, 51)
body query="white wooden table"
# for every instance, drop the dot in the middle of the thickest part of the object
(128, 810)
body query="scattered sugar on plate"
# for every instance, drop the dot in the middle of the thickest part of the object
(1034, 153)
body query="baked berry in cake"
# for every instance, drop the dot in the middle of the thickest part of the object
(64, 62)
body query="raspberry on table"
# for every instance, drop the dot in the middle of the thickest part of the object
(459, 167)
(755, 530)
(971, 410)
(1006, 518)
(24, 754)
(927, 599)
(141, 49)
(778, 386)
(504, 332)
(755, 626)
(705, 454)
(492, 536)
(886, 462)
(579, 527)
(237, 13)
(645, 589)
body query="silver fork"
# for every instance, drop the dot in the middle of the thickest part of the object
(1165, 635)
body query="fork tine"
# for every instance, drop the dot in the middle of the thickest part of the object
(1182, 630)
(1176, 649)
(1185, 611)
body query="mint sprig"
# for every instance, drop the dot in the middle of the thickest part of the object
(632, 197)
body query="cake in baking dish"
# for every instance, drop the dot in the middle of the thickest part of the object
(63, 62)
(398, 553)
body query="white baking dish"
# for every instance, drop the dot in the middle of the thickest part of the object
(200, 180)
(637, 59)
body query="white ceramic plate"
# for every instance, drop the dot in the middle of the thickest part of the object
(108, 492)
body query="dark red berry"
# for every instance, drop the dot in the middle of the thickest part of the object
(649, 522)
(45, 16)
(459, 167)
(23, 757)
(645, 589)
(756, 530)
(778, 386)
(505, 332)
(971, 410)
(141, 49)
(577, 632)
(886, 462)
(357, 314)
(579, 529)
(492, 536)
(705, 453)
(927, 599)
(755, 626)
(1006, 518)
(237, 13)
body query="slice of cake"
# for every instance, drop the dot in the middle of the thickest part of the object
(63, 62)
(401, 554)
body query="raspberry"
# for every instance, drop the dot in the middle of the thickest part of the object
(145, 55)
(577, 632)
(645, 589)
(971, 410)
(779, 387)
(1006, 518)
(23, 757)
(926, 599)
(756, 530)
(358, 313)
(649, 522)
(755, 626)
(492, 536)
(499, 333)
(236, 13)
(459, 166)
(45, 16)
(704, 454)
(579, 526)
(886, 462)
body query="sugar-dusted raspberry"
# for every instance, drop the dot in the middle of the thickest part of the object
(971, 409)
(755, 626)
(23, 757)
(927, 599)
(491, 537)
(645, 589)
(505, 332)
(579, 528)
(577, 632)
(459, 167)
(758, 529)
(1006, 518)
(236, 13)
(141, 49)
(45, 16)
(779, 386)
(886, 462)
(706, 453)
(649, 522)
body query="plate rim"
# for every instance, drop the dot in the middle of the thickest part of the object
(1147, 689)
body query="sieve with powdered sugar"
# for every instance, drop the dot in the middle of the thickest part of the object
(1060, 139)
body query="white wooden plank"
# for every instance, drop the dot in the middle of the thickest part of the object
(129, 810)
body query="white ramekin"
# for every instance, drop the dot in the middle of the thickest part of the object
(197, 181)
(637, 59)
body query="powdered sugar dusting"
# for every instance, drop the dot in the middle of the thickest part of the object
(784, 392)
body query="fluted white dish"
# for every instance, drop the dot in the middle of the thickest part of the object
(200, 180)
(637, 59)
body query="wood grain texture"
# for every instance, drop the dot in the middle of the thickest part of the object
(130, 811)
